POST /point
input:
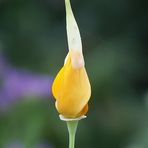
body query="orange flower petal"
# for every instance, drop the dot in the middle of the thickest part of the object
(71, 88)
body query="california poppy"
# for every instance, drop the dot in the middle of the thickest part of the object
(71, 87)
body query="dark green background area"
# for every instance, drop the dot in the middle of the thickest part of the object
(115, 46)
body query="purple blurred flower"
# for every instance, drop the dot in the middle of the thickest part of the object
(17, 144)
(16, 84)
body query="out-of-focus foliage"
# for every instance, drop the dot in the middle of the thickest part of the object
(114, 34)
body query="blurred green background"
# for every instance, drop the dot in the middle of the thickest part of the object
(33, 42)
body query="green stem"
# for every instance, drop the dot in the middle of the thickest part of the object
(72, 128)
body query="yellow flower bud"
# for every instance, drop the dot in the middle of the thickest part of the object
(71, 87)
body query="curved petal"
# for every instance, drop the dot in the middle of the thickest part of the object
(71, 89)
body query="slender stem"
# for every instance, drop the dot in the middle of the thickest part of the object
(72, 128)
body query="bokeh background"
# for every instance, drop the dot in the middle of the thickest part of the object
(33, 46)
